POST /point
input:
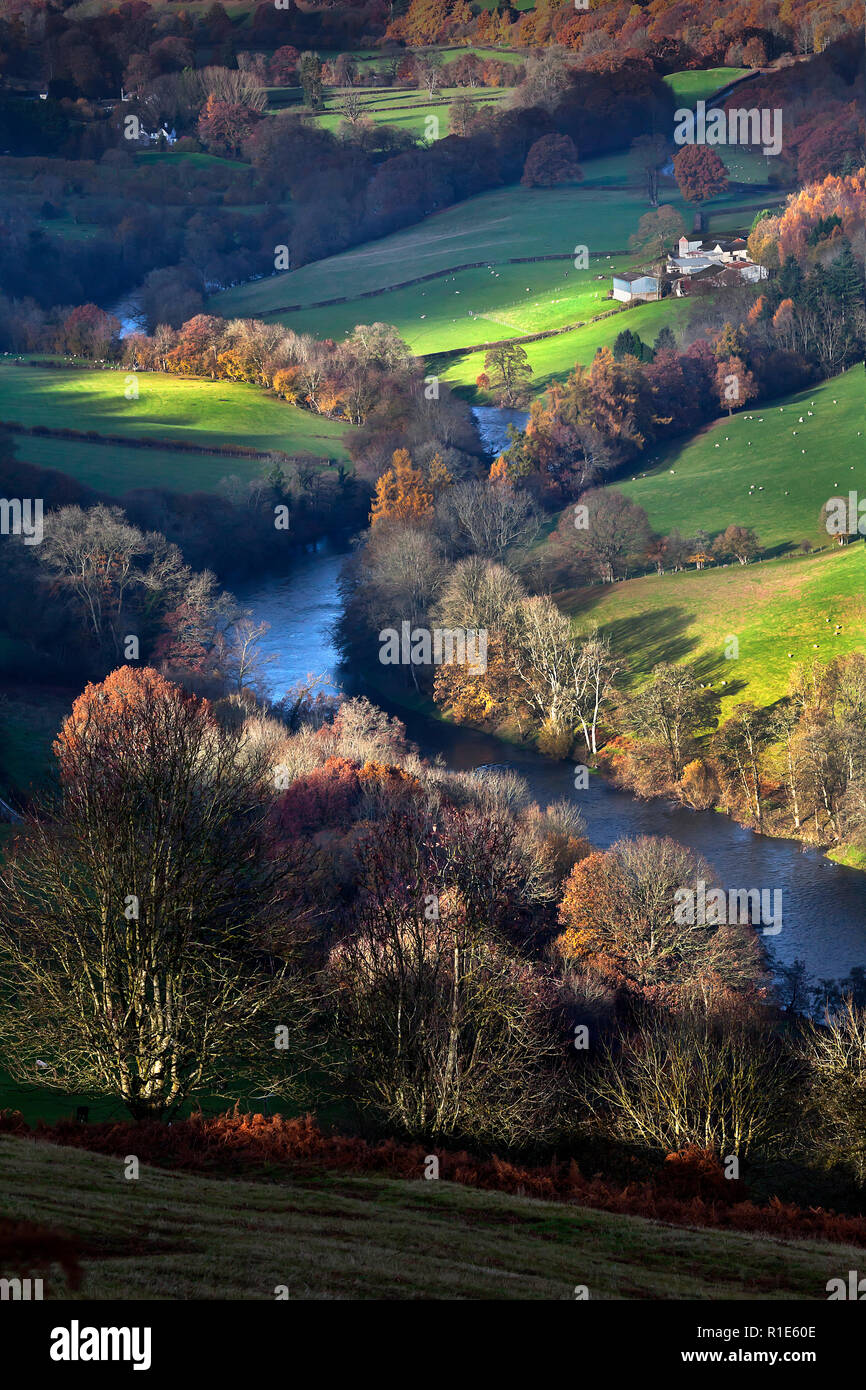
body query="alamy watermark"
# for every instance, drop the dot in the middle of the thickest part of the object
(738, 127)
(22, 516)
(423, 646)
(846, 516)
(761, 907)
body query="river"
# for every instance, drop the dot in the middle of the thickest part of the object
(823, 904)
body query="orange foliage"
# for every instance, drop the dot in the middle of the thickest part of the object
(128, 709)
(844, 196)
(401, 493)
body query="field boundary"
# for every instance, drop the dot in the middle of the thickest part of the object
(424, 279)
(137, 442)
(545, 333)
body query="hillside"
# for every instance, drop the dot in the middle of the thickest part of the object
(689, 617)
(182, 409)
(763, 467)
(329, 1235)
(494, 299)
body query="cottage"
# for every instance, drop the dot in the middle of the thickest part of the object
(634, 286)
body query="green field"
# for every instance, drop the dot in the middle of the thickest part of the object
(196, 160)
(794, 474)
(408, 110)
(693, 85)
(171, 408)
(773, 608)
(463, 307)
(779, 608)
(554, 358)
(331, 1235)
(474, 306)
(114, 469)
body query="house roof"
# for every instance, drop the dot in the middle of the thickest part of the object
(725, 243)
(692, 263)
(629, 276)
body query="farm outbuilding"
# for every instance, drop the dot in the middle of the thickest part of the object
(636, 285)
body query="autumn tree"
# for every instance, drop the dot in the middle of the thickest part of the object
(145, 928)
(669, 710)
(741, 745)
(448, 1031)
(551, 160)
(657, 232)
(402, 493)
(619, 915)
(739, 543)
(735, 384)
(460, 114)
(224, 126)
(610, 531)
(700, 173)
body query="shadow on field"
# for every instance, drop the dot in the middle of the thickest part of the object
(648, 638)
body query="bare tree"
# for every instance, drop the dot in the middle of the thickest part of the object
(448, 1031)
(491, 520)
(143, 916)
(693, 1080)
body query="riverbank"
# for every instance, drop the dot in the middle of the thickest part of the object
(824, 902)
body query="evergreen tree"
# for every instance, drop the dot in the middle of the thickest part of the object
(845, 279)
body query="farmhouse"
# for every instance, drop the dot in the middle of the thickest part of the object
(722, 250)
(703, 278)
(715, 262)
(153, 137)
(636, 285)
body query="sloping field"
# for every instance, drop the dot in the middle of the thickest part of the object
(409, 110)
(465, 307)
(504, 223)
(795, 467)
(693, 85)
(777, 610)
(555, 357)
(167, 408)
(338, 1236)
(114, 469)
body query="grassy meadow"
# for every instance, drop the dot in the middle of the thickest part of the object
(699, 84)
(600, 212)
(777, 609)
(335, 1235)
(706, 482)
(553, 358)
(407, 109)
(783, 609)
(168, 408)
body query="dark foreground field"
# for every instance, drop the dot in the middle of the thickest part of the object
(338, 1236)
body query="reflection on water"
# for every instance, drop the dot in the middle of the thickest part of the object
(824, 904)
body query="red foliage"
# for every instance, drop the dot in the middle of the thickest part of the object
(323, 798)
(697, 1173)
(688, 1194)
